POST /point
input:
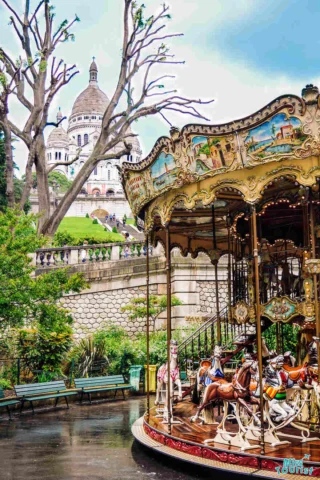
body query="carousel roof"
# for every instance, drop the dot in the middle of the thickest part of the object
(203, 179)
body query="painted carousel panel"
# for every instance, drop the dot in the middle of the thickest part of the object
(279, 136)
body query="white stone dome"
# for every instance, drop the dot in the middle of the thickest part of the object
(58, 138)
(92, 99)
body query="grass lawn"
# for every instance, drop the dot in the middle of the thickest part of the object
(130, 221)
(81, 227)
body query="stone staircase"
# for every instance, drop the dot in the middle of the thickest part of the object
(123, 228)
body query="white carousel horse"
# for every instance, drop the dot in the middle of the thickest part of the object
(276, 384)
(162, 375)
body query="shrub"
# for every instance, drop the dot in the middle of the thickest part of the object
(95, 221)
(45, 345)
(114, 230)
(87, 215)
(5, 384)
(86, 354)
(64, 238)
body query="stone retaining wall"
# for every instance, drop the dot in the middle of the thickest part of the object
(113, 284)
(207, 296)
(92, 311)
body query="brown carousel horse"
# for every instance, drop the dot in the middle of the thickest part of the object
(236, 391)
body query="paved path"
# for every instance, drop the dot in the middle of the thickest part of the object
(86, 442)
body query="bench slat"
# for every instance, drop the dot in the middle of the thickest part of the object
(39, 388)
(99, 381)
(9, 402)
(54, 395)
(105, 389)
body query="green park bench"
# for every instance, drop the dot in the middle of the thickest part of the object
(33, 392)
(6, 402)
(101, 384)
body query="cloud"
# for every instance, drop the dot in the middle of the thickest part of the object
(240, 87)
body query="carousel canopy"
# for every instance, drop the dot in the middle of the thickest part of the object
(205, 178)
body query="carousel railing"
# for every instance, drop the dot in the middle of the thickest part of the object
(200, 344)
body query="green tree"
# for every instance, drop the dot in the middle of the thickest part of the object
(27, 299)
(56, 180)
(137, 307)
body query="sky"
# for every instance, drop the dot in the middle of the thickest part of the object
(242, 54)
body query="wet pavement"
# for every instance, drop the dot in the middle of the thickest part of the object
(85, 442)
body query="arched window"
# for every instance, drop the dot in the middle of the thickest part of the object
(79, 140)
(66, 157)
(86, 138)
(59, 155)
(56, 156)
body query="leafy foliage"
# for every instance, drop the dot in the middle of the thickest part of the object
(290, 337)
(5, 384)
(26, 298)
(55, 179)
(137, 307)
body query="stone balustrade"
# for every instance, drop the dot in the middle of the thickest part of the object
(71, 255)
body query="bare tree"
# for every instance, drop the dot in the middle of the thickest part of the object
(144, 54)
(37, 76)
(143, 50)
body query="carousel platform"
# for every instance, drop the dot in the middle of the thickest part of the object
(186, 444)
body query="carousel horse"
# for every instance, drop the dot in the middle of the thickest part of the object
(162, 375)
(236, 391)
(210, 371)
(275, 390)
(289, 359)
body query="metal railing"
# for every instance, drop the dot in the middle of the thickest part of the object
(200, 344)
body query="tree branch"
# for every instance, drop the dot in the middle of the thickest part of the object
(13, 11)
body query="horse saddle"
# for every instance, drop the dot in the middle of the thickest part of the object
(218, 375)
(294, 372)
(226, 388)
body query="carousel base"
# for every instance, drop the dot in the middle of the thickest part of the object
(187, 443)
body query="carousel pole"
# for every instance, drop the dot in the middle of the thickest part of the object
(229, 268)
(315, 279)
(148, 328)
(215, 263)
(258, 319)
(168, 270)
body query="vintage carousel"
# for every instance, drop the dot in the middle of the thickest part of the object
(247, 191)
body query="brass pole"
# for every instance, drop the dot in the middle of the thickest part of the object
(229, 274)
(315, 279)
(168, 270)
(215, 262)
(148, 328)
(217, 302)
(258, 319)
